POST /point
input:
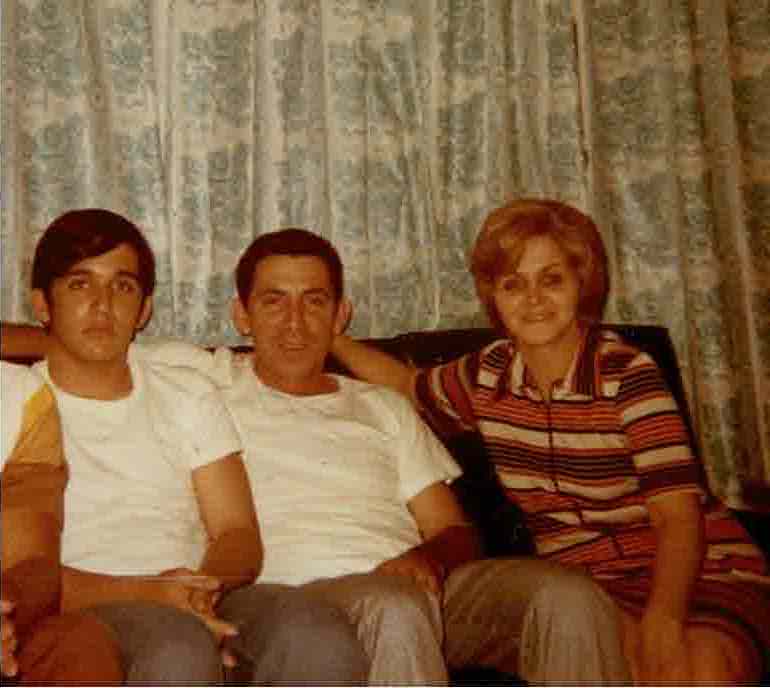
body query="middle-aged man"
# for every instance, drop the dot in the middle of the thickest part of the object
(355, 506)
(161, 525)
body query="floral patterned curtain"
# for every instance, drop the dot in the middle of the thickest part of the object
(392, 127)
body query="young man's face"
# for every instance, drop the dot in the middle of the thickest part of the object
(94, 310)
(292, 316)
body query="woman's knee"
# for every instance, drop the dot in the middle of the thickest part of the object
(719, 658)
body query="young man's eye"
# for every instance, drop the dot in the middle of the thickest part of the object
(76, 283)
(270, 301)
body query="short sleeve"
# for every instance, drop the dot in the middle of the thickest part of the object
(423, 460)
(444, 395)
(20, 384)
(656, 431)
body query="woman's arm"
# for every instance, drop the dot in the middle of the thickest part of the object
(678, 524)
(371, 364)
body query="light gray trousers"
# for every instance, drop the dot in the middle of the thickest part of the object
(534, 618)
(286, 637)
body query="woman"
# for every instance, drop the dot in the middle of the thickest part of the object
(590, 444)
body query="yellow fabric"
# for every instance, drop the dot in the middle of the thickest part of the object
(35, 474)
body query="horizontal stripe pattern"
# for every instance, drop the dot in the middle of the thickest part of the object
(584, 467)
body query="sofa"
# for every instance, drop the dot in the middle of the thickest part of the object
(479, 490)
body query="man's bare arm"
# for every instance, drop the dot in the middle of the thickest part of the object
(234, 554)
(449, 537)
(19, 341)
(449, 540)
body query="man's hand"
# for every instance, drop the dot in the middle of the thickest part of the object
(198, 594)
(9, 665)
(418, 565)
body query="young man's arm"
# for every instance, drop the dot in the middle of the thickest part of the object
(30, 551)
(19, 341)
(234, 553)
(233, 556)
(449, 539)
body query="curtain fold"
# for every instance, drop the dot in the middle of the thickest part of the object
(392, 128)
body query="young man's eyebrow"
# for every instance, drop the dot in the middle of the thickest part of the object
(82, 272)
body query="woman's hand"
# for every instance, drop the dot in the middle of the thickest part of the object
(661, 652)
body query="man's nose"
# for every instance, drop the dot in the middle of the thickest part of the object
(102, 297)
(296, 316)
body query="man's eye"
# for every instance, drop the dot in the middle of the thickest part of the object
(77, 283)
(127, 286)
(317, 301)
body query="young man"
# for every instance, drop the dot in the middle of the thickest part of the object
(355, 505)
(39, 645)
(161, 523)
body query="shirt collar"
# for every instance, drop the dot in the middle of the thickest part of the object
(579, 382)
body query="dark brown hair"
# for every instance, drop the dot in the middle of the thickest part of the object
(287, 242)
(86, 233)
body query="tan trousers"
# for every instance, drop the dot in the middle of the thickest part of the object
(525, 616)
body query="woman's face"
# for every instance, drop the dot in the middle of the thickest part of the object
(538, 301)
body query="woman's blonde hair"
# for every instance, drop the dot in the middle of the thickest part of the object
(505, 231)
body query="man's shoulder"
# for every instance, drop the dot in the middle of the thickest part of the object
(385, 399)
(176, 365)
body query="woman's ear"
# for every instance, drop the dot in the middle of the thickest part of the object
(240, 317)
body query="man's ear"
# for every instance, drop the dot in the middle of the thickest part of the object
(144, 315)
(344, 316)
(240, 317)
(40, 307)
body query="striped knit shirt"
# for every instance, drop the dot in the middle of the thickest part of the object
(584, 466)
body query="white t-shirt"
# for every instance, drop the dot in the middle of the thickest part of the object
(331, 474)
(19, 385)
(130, 507)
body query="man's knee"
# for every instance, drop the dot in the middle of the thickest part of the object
(396, 601)
(162, 644)
(573, 598)
(309, 642)
(185, 653)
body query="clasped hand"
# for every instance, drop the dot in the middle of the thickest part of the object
(199, 594)
(9, 665)
(418, 565)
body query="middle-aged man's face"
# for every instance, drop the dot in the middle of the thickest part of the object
(95, 309)
(292, 316)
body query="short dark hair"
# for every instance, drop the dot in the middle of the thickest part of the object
(287, 242)
(86, 233)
